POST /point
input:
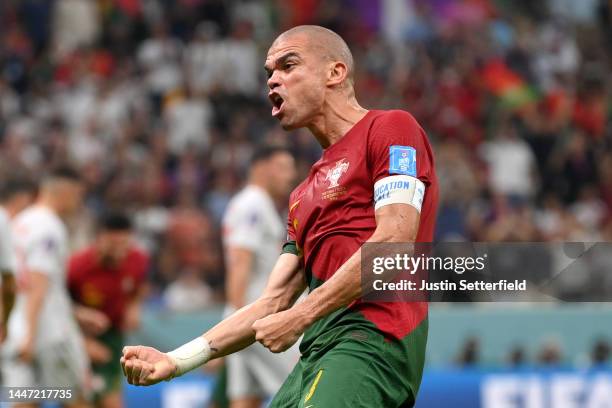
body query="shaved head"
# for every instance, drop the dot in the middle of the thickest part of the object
(310, 69)
(325, 43)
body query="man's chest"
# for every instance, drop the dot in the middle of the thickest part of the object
(98, 287)
(336, 189)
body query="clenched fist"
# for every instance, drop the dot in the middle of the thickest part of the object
(146, 366)
(279, 331)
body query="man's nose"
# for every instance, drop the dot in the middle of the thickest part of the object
(273, 81)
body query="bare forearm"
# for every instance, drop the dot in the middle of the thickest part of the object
(8, 296)
(34, 302)
(236, 332)
(239, 264)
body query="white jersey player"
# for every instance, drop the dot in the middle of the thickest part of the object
(44, 347)
(253, 232)
(15, 195)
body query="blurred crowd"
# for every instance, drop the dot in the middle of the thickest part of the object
(160, 103)
(549, 354)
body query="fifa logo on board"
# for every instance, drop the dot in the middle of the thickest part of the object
(334, 174)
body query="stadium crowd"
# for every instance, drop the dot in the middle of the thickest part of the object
(160, 103)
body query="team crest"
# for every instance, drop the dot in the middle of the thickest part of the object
(334, 174)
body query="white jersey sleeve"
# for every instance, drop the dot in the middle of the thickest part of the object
(42, 254)
(7, 253)
(243, 225)
(253, 223)
(40, 244)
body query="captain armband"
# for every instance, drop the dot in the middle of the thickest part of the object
(399, 189)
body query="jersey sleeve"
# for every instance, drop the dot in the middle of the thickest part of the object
(243, 226)
(399, 156)
(290, 245)
(7, 253)
(398, 146)
(43, 253)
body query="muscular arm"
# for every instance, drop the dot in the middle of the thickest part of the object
(239, 264)
(284, 286)
(38, 285)
(8, 297)
(394, 223)
(145, 365)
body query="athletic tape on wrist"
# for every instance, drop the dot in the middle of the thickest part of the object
(190, 355)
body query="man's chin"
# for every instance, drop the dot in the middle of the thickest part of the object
(288, 125)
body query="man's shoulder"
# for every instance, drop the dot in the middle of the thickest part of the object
(395, 126)
(38, 221)
(4, 220)
(393, 116)
(250, 199)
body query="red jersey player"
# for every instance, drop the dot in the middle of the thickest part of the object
(375, 183)
(107, 282)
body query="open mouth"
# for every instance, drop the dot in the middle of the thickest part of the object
(277, 103)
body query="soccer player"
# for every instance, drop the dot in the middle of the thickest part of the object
(355, 353)
(44, 346)
(253, 234)
(15, 195)
(108, 277)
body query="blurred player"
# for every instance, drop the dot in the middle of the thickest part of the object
(108, 277)
(253, 233)
(15, 195)
(375, 182)
(44, 346)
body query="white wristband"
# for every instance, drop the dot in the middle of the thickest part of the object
(190, 355)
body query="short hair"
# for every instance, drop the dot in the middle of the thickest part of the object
(114, 221)
(331, 45)
(264, 152)
(15, 186)
(63, 172)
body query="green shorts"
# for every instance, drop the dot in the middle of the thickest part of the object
(108, 376)
(359, 368)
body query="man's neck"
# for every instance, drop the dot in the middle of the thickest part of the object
(337, 118)
(256, 182)
(46, 202)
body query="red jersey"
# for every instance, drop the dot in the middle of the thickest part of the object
(331, 213)
(108, 289)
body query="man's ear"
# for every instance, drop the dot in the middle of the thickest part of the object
(338, 71)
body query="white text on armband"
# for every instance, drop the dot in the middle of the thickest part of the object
(400, 189)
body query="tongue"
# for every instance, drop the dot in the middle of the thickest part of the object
(276, 109)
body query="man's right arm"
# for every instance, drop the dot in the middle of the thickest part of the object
(8, 300)
(146, 366)
(7, 277)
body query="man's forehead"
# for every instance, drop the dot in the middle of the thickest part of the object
(294, 44)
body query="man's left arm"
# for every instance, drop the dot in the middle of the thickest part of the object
(394, 223)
